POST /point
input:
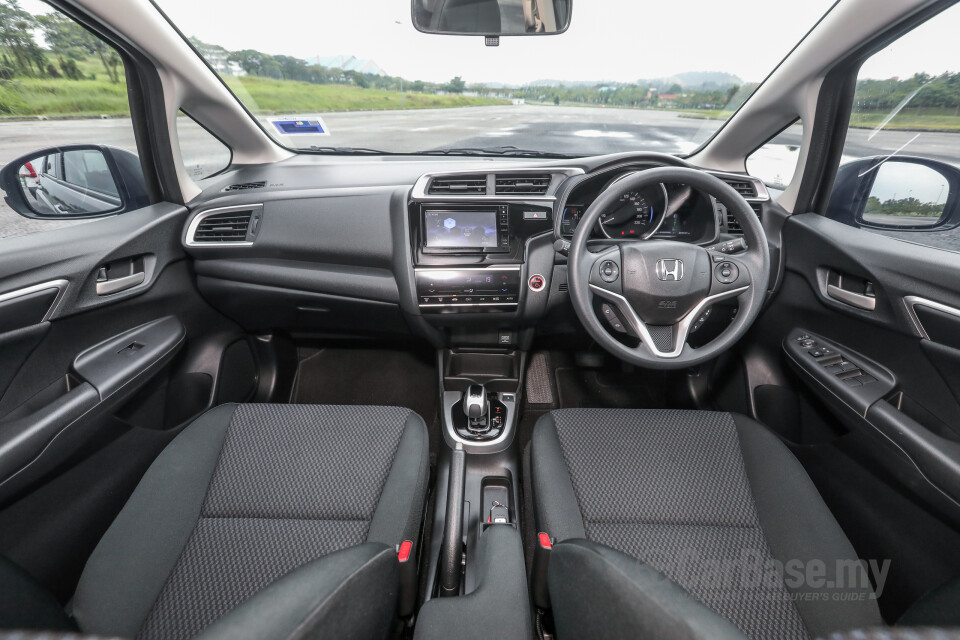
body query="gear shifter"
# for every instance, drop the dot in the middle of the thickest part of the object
(475, 406)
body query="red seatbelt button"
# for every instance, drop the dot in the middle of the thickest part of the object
(545, 541)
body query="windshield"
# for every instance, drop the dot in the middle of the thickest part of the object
(626, 76)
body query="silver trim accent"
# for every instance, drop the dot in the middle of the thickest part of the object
(683, 327)
(501, 442)
(497, 267)
(647, 234)
(913, 301)
(59, 285)
(763, 195)
(851, 298)
(537, 275)
(424, 305)
(190, 239)
(420, 187)
(107, 287)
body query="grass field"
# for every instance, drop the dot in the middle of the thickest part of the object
(284, 95)
(56, 97)
(907, 119)
(910, 119)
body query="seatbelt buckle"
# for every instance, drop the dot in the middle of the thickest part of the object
(407, 597)
(538, 573)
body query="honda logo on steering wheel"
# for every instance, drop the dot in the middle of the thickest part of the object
(670, 269)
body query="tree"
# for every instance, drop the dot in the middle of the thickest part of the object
(457, 85)
(68, 39)
(15, 37)
(291, 68)
(250, 60)
(70, 69)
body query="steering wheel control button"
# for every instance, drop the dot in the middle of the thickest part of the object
(726, 272)
(609, 271)
(612, 318)
(701, 319)
(537, 282)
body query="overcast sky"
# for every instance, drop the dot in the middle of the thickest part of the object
(619, 40)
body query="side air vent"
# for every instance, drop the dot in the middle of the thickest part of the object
(244, 186)
(458, 185)
(226, 226)
(523, 185)
(733, 226)
(746, 188)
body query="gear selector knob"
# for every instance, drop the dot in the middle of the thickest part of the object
(475, 402)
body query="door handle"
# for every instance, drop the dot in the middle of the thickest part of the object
(858, 300)
(117, 285)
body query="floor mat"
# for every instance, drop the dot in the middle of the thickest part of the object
(387, 377)
(554, 381)
(604, 388)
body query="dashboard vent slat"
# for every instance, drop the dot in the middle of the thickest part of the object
(229, 226)
(746, 188)
(458, 185)
(244, 186)
(526, 185)
(733, 226)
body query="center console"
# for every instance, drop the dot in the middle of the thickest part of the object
(483, 261)
(468, 288)
(469, 258)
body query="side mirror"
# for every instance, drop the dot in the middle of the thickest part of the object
(74, 181)
(491, 17)
(900, 193)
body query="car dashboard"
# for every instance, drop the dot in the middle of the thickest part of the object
(457, 251)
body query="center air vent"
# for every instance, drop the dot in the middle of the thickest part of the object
(458, 185)
(733, 225)
(523, 185)
(243, 186)
(230, 225)
(746, 188)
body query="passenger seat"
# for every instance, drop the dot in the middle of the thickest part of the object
(259, 521)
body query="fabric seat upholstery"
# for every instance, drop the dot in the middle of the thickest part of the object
(711, 501)
(260, 513)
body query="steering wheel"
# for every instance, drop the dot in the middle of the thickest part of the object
(655, 290)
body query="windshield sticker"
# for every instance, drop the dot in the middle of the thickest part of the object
(287, 125)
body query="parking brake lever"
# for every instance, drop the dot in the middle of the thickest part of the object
(451, 551)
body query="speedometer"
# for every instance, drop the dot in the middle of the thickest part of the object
(635, 214)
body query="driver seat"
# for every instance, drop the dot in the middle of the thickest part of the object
(671, 524)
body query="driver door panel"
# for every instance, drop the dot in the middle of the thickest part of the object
(822, 256)
(886, 455)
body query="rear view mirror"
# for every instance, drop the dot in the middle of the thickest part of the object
(897, 193)
(77, 181)
(492, 17)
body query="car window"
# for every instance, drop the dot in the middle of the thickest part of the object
(203, 153)
(776, 161)
(52, 165)
(88, 169)
(899, 175)
(60, 86)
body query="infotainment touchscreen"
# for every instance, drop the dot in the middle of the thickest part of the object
(473, 229)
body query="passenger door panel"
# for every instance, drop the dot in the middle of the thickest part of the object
(74, 351)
